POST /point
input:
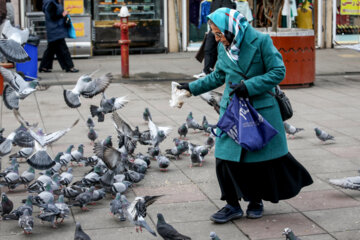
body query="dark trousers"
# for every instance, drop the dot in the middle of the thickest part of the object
(60, 49)
(210, 53)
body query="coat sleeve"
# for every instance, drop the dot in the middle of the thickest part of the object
(274, 69)
(55, 10)
(208, 83)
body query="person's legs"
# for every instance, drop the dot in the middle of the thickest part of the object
(210, 53)
(63, 56)
(46, 63)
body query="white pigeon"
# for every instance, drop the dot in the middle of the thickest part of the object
(158, 134)
(87, 87)
(17, 89)
(11, 44)
(347, 183)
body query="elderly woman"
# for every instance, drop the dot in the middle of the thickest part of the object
(272, 173)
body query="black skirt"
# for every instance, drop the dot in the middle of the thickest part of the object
(272, 180)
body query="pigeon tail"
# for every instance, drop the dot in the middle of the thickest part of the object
(71, 99)
(13, 51)
(41, 161)
(10, 97)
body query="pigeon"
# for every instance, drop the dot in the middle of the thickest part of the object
(72, 191)
(10, 45)
(63, 207)
(289, 234)
(124, 128)
(206, 126)
(107, 179)
(147, 115)
(213, 99)
(90, 123)
(291, 130)
(183, 130)
(158, 134)
(26, 221)
(116, 207)
(198, 153)
(191, 123)
(40, 159)
(23, 153)
(92, 135)
(98, 195)
(84, 198)
(11, 180)
(136, 212)
(87, 87)
(177, 150)
(66, 157)
(57, 167)
(347, 183)
(66, 177)
(77, 155)
(49, 213)
(80, 234)
(138, 165)
(11, 168)
(45, 196)
(110, 156)
(91, 161)
(163, 162)
(6, 205)
(210, 142)
(15, 215)
(92, 178)
(19, 137)
(133, 176)
(146, 158)
(322, 135)
(153, 151)
(107, 106)
(120, 187)
(213, 236)
(27, 176)
(17, 88)
(41, 181)
(166, 231)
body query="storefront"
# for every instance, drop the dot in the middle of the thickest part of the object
(94, 19)
(346, 23)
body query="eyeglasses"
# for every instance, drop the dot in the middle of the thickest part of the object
(218, 34)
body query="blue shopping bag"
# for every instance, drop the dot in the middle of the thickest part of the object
(245, 125)
(70, 27)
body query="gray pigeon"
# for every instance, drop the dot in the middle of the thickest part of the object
(213, 236)
(191, 123)
(92, 134)
(72, 191)
(84, 198)
(123, 128)
(163, 162)
(197, 154)
(77, 155)
(206, 126)
(80, 234)
(168, 232)
(23, 153)
(213, 99)
(322, 135)
(6, 205)
(177, 150)
(98, 195)
(183, 130)
(120, 187)
(15, 215)
(11, 179)
(41, 181)
(66, 177)
(133, 176)
(63, 208)
(136, 212)
(107, 106)
(153, 151)
(289, 234)
(291, 130)
(17, 89)
(26, 222)
(116, 207)
(347, 183)
(158, 134)
(147, 115)
(11, 44)
(27, 176)
(110, 156)
(66, 157)
(90, 123)
(210, 142)
(87, 87)
(49, 213)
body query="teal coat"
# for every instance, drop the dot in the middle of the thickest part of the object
(260, 61)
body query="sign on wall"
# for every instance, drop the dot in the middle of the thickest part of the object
(74, 6)
(350, 7)
(79, 29)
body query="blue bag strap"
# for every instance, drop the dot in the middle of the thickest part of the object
(213, 132)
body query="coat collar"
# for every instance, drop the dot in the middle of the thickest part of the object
(247, 52)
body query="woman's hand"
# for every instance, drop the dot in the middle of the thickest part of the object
(65, 13)
(240, 90)
(184, 86)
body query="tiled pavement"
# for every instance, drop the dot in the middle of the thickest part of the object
(320, 212)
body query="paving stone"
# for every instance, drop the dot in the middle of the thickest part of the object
(271, 226)
(348, 235)
(326, 199)
(346, 152)
(311, 237)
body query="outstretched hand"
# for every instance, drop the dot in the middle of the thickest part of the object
(184, 86)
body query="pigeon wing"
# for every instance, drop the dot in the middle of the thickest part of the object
(96, 86)
(122, 125)
(120, 102)
(13, 51)
(153, 129)
(52, 137)
(40, 160)
(10, 97)
(111, 157)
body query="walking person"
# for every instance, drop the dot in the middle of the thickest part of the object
(56, 33)
(272, 173)
(210, 51)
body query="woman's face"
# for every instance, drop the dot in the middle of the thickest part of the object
(218, 35)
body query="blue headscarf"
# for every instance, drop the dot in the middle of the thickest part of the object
(230, 22)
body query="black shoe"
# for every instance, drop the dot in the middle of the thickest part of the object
(227, 214)
(255, 210)
(73, 70)
(44, 70)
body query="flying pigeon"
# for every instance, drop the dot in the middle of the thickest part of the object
(11, 44)
(87, 87)
(110, 156)
(289, 234)
(191, 123)
(26, 222)
(163, 162)
(80, 234)
(213, 99)
(183, 130)
(158, 134)
(322, 135)
(107, 106)
(166, 231)
(147, 115)
(17, 88)
(6, 205)
(291, 130)
(213, 236)
(136, 212)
